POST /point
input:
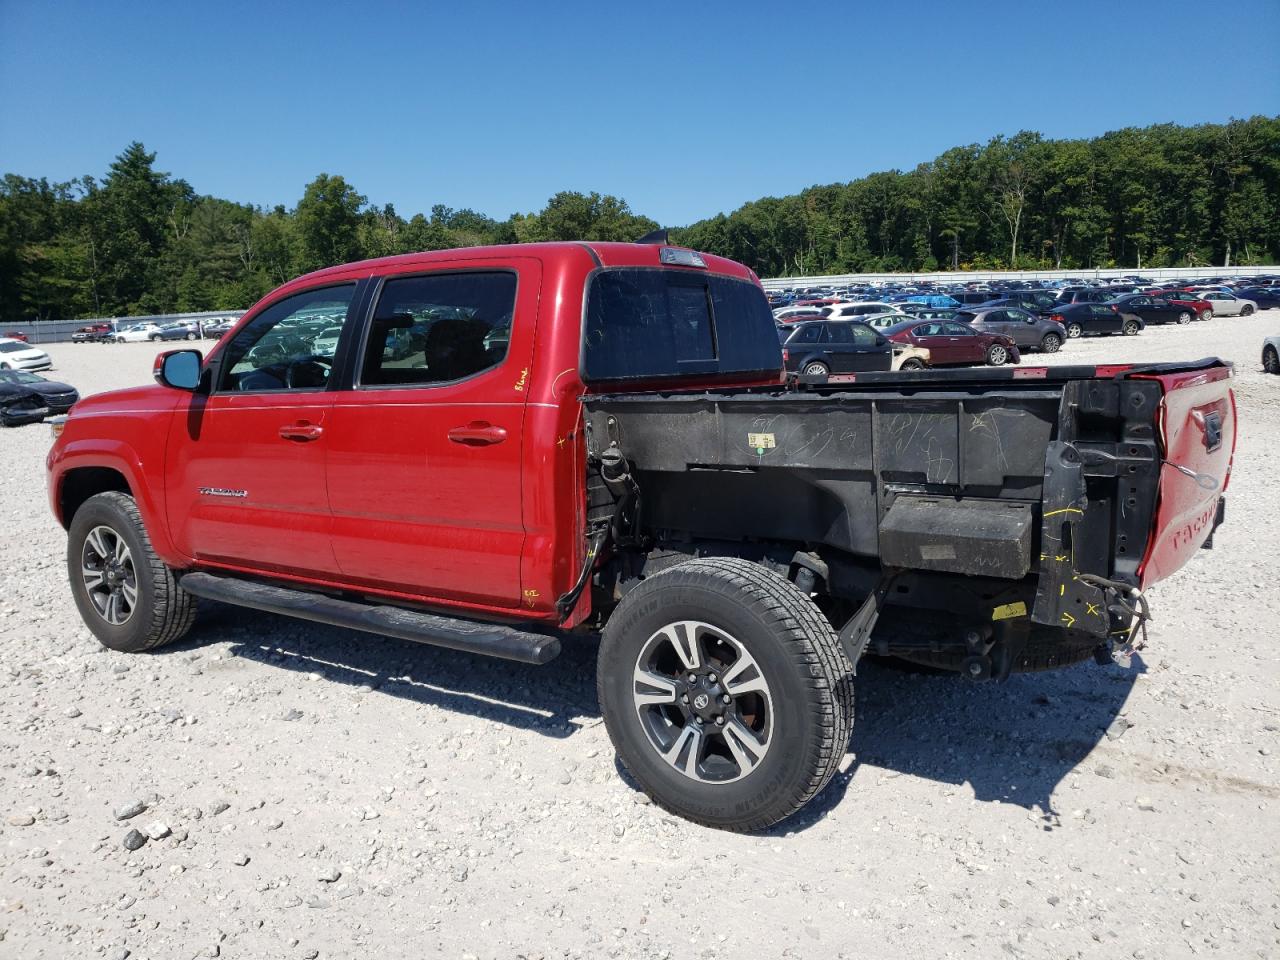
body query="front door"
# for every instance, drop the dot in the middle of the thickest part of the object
(425, 449)
(245, 468)
(965, 342)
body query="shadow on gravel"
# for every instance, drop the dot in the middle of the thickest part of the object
(546, 700)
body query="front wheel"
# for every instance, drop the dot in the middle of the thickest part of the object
(997, 355)
(1184, 317)
(1271, 360)
(1130, 328)
(1051, 343)
(1206, 314)
(125, 593)
(1074, 331)
(1246, 311)
(912, 364)
(192, 336)
(155, 338)
(725, 692)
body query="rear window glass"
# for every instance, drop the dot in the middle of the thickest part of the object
(645, 324)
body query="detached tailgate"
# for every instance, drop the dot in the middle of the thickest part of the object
(1197, 424)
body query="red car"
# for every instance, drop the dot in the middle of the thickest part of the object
(953, 344)
(15, 335)
(1203, 308)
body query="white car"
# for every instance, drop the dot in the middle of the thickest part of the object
(881, 320)
(326, 345)
(17, 355)
(1228, 304)
(137, 333)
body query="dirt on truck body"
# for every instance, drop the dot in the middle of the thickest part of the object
(486, 448)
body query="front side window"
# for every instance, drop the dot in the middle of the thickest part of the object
(864, 336)
(276, 349)
(439, 328)
(958, 330)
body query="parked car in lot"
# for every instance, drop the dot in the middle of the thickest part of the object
(183, 330)
(217, 328)
(1027, 330)
(20, 355)
(953, 343)
(1070, 295)
(1153, 309)
(57, 397)
(1266, 298)
(17, 335)
(1228, 304)
(326, 344)
(136, 333)
(1084, 319)
(93, 333)
(844, 346)
(1202, 309)
(1271, 354)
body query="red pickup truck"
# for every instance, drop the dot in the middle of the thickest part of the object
(486, 448)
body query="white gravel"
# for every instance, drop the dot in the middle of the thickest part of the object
(310, 792)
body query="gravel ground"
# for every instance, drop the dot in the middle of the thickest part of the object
(300, 791)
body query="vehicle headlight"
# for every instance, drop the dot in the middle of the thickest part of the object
(56, 425)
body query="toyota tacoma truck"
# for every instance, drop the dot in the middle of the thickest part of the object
(600, 437)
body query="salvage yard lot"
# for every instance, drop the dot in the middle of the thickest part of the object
(337, 795)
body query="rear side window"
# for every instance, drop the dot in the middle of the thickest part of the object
(649, 324)
(439, 328)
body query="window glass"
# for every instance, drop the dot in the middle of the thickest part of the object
(958, 330)
(276, 349)
(645, 323)
(840, 333)
(863, 336)
(439, 328)
(809, 333)
(928, 330)
(1100, 311)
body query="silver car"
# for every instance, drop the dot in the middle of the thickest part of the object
(1228, 304)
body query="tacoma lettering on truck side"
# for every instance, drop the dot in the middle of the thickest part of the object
(486, 448)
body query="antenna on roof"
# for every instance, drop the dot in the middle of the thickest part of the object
(655, 236)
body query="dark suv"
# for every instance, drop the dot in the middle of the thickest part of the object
(1028, 331)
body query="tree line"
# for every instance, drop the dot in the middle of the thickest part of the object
(140, 241)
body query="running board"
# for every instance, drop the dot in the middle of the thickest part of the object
(472, 636)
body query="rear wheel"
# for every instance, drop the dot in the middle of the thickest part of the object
(1270, 360)
(997, 355)
(125, 593)
(192, 336)
(1074, 331)
(1246, 310)
(725, 692)
(1051, 343)
(816, 368)
(1184, 317)
(1131, 328)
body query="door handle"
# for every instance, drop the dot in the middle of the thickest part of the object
(478, 433)
(302, 432)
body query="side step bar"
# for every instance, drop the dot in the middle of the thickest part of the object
(494, 640)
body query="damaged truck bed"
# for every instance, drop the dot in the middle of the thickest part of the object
(1020, 504)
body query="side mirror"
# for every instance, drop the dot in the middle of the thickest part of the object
(179, 369)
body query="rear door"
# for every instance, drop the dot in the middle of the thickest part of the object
(968, 346)
(1023, 327)
(425, 447)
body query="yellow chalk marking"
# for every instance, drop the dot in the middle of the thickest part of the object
(1054, 513)
(1068, 619)
(1008, 610)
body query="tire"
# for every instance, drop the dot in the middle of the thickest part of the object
(192, 336)
(1051, 343)
(912, 364)
(815, 368)
(997, 355)
(1246, 311)
(4, 366)
(733, 609)
(1206, 314)
(1130, 328)
(1184, 318)
(1270, 360)
(160, 612)
(1074, 331)
(155, 338)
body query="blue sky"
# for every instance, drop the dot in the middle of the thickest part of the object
(683, 109)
